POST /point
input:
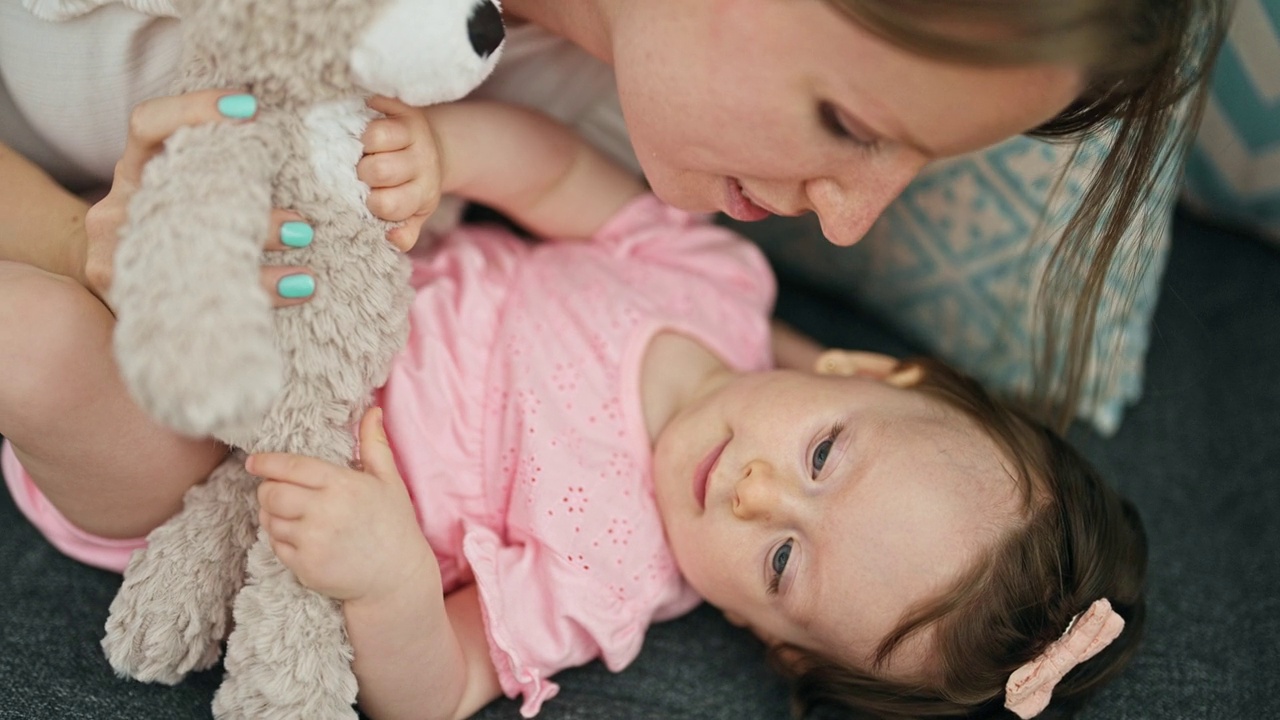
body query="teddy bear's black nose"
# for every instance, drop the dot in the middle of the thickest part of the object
(485, 28)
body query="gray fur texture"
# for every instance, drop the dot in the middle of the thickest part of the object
(201, 348)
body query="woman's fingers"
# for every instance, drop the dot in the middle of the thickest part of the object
(150, 125)
(153, 121)
(288, 286)
(288, 231)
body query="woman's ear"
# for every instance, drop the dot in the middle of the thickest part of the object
(791, 657)
(856, 363)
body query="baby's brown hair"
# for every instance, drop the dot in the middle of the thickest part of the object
(1079, 541)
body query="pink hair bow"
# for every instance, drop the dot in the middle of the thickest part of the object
(1029, 688)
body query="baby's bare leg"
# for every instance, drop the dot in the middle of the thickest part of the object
(94, 454)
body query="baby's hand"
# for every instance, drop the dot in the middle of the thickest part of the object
(401, 166)
(346, 534)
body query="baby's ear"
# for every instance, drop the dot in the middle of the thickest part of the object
(856, 363)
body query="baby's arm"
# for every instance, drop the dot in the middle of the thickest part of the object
(354, 536)
(793, 350)
(531, 168)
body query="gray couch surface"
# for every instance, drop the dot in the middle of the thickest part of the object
(1200, 455)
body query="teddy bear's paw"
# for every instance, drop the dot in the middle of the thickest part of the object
(161, 625)
(288, 656)
(173, 609)
(151, 649)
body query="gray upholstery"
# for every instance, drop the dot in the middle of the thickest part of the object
(1200, 455)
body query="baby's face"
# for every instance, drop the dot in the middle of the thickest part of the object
(818, 510)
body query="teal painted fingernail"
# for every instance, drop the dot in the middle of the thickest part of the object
(238, 107)
(292, 287)
(296, 234)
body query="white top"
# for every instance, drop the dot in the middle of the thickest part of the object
(66, 88)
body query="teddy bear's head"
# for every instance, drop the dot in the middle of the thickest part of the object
(421, 51)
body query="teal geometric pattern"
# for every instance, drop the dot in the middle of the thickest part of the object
(953, 263)
(1233, 172)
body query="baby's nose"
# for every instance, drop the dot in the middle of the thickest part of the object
(756, 496)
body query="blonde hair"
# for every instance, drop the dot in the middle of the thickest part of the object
(1146, 63)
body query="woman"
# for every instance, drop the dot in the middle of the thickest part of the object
(751, 107)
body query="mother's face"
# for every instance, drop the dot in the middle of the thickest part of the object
(787, 106)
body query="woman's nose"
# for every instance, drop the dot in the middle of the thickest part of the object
(848, 205)
(756, 494)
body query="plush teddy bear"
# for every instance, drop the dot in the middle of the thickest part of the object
(201, 348)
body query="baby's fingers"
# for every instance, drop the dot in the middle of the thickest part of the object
(404, 236)
(398, 204)
(289, 468)
(386, 135)
(391, 169)
(283, 501)
(389, 106)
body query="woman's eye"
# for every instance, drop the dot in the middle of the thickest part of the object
(835, 124)
(780, 558)
(820, 454)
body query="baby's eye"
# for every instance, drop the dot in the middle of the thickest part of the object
(780, 558)
(778, 564)
(820, 454)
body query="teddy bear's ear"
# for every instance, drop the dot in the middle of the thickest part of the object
(58, 10)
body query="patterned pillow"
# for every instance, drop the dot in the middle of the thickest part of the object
(954, 264)
(1233, 174)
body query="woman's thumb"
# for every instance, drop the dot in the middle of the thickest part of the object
(375, 449)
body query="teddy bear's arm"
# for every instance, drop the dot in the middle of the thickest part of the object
(186, 281)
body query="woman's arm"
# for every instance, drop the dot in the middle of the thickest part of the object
(41, 224)
(529, 167)
(44, 225)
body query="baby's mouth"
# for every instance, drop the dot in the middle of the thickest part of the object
(702, 474)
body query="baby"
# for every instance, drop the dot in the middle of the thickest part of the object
(585, 436)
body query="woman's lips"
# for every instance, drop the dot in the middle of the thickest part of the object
(738, 206)
(703, 473)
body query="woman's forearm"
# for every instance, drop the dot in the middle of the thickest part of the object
(41, 223)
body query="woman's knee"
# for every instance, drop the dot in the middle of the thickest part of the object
(54, 336)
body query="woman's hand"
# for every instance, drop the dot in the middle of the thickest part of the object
(347, 534)
(401, 166)
(150, 124)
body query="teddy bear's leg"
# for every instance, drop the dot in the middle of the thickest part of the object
(288, 657)
(172, 611)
